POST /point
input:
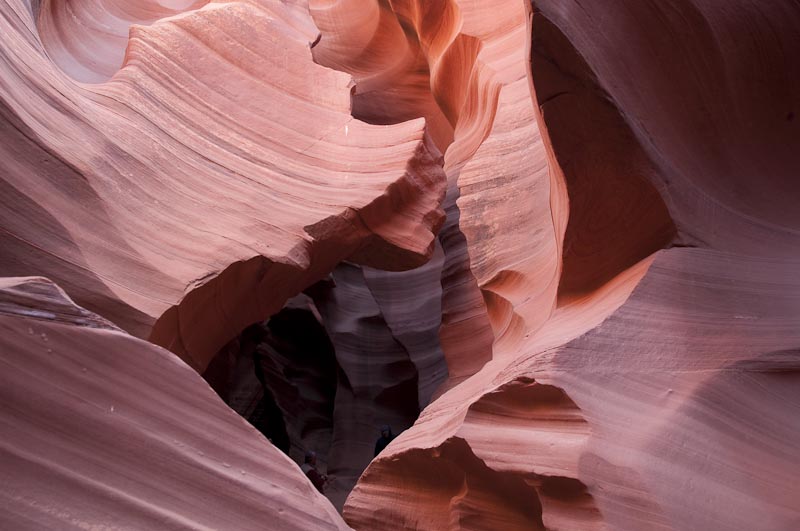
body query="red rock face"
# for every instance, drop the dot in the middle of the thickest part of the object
(567, 230)
(258, 198)
(88, 39)
(107, 429)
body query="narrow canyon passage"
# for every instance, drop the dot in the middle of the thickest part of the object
(280, 375)
(552, 244)
(329, 370)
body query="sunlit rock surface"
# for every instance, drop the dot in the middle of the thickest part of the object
(216, 174)
(567, 230)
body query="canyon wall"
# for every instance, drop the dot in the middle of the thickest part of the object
(658, 389)
(567, 232)
(101, 429)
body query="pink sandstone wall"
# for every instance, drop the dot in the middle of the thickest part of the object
(566, 231)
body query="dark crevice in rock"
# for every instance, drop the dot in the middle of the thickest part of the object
(323, 375)
(617, 215)
(281, 376)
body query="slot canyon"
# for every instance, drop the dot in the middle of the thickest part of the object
(414, 265)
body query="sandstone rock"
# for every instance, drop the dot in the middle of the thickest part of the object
(665, 358)
(105, 430)
(151, 205)
(378, 380)
(612, 233)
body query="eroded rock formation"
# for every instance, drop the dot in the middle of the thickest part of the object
(638, 341)
(103, 429)
(567, 230)
(269, 186)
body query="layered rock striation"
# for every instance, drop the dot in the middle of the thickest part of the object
(663, 320)
(104, 429)
(197, 203)
(565, 231)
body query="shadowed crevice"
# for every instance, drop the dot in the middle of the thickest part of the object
(617, 217)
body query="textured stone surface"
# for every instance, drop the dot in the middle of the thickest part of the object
(219, 162)
(680, 369)
(605, 194)
(378, 382)
(101, 429)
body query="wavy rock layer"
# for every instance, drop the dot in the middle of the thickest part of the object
(394, 59)
(104, 430)
(662, 359)
(270, 180)
(616, 270)
(378, 382)
(88, 39)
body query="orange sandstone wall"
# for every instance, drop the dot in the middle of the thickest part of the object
(179, 194)
(676, 307)
(593, 206)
